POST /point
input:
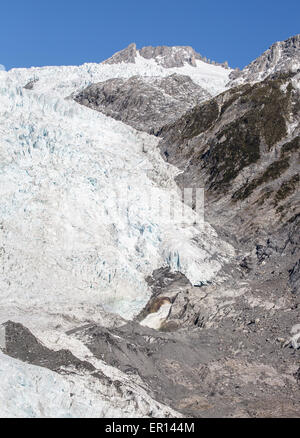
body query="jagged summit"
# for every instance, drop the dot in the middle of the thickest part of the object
(166, 56)
(282, 56)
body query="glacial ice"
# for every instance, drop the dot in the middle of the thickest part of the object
(64, 245)
(76, 232)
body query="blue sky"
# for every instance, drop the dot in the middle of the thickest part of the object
(71, 32)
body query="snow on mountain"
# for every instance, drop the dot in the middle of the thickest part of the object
(64, 80)
(281, 57)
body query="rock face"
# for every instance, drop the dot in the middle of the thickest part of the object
(283, 57)
(144, 103)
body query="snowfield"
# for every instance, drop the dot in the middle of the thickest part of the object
(76, 234)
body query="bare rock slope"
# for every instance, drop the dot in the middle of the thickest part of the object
(145, 103)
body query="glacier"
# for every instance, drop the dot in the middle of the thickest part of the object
(69, 254)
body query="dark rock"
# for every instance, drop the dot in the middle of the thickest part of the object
(30, 84)
(21, 344)
(294, 277)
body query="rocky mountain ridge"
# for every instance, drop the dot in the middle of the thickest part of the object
(281, 57)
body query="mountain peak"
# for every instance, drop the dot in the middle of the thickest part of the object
(166, 56)
(126, 55)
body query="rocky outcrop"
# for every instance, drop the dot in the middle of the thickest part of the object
(146, 103)
(30, 84)
(281, 57)
(126, 55)
(170, 57)
(21, 344)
